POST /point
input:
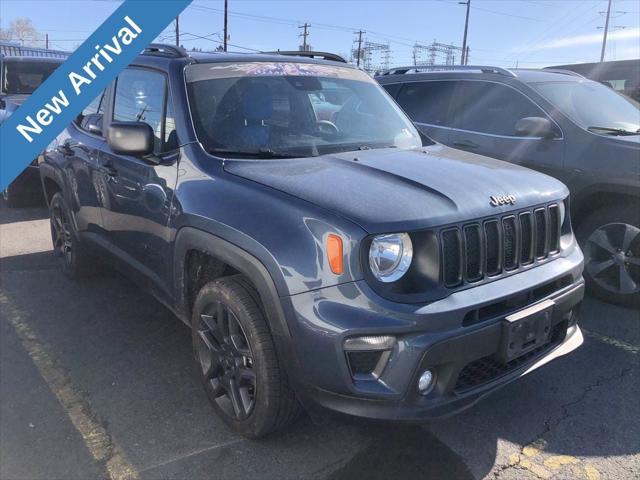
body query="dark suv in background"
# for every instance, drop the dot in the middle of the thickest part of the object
(335, 262)
(557, 122)
(19, 78)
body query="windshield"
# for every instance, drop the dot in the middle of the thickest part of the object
(23, 77)
(280, 109)
(592, 105)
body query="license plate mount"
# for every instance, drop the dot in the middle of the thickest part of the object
(526, 330)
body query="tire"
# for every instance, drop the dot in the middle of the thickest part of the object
(236, 359)
(73, 257)
(610, 239)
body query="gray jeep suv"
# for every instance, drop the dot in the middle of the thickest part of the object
(340, 262)
(557, 122)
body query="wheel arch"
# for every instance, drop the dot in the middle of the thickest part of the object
(598, 196)
(51, 183)
(235, 260)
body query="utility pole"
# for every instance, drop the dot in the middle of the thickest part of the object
(606, 31)
(46, 41)
(463, 60)
(226, 25)
(177, 31)
(360, 32)
(304, 35)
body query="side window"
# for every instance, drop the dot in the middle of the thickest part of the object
(90, 119)
(393, 89)
(140, 97)
(427, 102)
(491, 108)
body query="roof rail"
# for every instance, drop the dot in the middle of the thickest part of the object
(563, 71)
(165, 50)
(300, 53)
(449, 68)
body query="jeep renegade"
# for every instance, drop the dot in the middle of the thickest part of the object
(288, 212)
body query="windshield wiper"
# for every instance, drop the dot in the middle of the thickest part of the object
(261, 153)
(614, 131)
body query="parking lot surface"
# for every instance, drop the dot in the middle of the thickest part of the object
(96, 381)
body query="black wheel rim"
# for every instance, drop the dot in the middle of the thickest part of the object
(226, 361)
(61, 234)
(612, 258)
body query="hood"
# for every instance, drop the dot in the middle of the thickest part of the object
(391, 190)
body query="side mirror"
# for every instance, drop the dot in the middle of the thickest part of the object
(535, 127)
(130, 138)
(93, 123)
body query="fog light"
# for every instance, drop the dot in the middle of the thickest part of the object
(426, 382)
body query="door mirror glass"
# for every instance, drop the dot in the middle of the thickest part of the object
(535, 127)
(130, 138)
(92, 123)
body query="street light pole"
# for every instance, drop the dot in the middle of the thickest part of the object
(177, 31)
(463, 59)
(606, 31)
(226, 33)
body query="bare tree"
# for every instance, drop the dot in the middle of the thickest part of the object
(22, 30)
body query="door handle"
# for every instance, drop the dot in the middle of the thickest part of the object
(466, 144)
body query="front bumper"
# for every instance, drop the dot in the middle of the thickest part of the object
(457, 337)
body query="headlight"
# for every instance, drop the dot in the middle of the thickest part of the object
(390, 256)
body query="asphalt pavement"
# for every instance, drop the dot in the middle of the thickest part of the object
(96, 381)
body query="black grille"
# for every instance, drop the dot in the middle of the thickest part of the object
(554, 229)
(499, 245)
(489, 368)
(473, 251)
(541, 232)
(526, 238)
(491, 230)
(451, 257)
(510, 243)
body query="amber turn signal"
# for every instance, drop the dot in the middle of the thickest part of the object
(334, 253)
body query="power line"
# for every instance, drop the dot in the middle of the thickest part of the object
(508, 14)
(205, 37)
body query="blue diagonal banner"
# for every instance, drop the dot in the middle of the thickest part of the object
(79, 80)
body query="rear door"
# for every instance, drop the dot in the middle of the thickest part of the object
(140, 192)
(484, 120)
(428, 104)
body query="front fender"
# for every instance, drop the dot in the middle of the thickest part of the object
(277, 309)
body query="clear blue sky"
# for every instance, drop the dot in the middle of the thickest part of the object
(501, 32)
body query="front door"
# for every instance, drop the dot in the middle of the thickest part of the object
(80, 145)
(484, 121)
(137, 217)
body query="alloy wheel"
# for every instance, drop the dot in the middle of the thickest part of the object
(61, 234)
(612, 258)
(226, 361)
